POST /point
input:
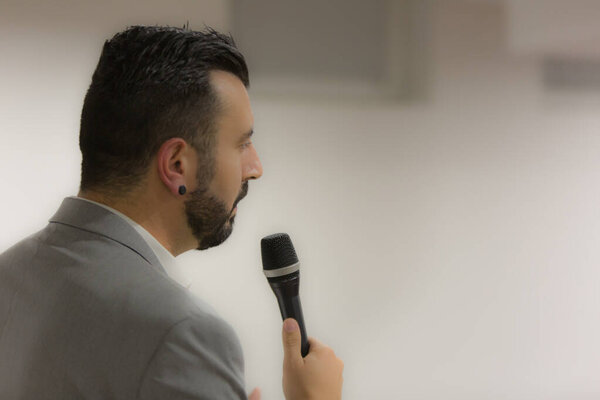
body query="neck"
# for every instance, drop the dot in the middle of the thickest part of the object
(158, 213)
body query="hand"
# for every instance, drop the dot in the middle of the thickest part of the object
(255, 395)
(316, 376)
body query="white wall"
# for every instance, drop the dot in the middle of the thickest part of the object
(449, 249)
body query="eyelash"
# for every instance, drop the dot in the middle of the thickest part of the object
(246, 145)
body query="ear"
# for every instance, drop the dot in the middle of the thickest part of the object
(175, 162)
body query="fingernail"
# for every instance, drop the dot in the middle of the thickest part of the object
(290, 325)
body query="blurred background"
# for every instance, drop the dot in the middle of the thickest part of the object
(436, 163)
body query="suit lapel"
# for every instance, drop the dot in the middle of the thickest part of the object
(90, 217)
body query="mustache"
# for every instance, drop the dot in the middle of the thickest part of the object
(243, 193)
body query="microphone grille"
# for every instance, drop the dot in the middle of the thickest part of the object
(277, 251)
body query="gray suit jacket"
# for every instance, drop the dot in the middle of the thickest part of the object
(88, 312)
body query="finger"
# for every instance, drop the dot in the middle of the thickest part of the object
(255, 395)
(315, 343)
(291, 342)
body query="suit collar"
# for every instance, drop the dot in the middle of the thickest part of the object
(93, 218)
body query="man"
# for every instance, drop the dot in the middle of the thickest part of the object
(87, 309)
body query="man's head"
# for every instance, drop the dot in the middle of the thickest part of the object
(158, 93)
(236, 161)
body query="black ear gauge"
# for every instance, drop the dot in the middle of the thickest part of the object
(182, 190)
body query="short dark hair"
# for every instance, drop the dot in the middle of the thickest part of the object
(151, 84)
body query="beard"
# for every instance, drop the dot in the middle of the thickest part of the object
(208, 217)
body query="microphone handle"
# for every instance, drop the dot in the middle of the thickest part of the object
(291, 307)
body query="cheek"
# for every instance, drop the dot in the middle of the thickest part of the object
(228, 178)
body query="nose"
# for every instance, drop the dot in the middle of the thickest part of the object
(252, 167)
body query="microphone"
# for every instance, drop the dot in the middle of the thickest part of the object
(282, 269)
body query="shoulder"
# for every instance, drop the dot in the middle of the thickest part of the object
(169, 343)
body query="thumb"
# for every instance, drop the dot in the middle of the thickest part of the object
(291, 341)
